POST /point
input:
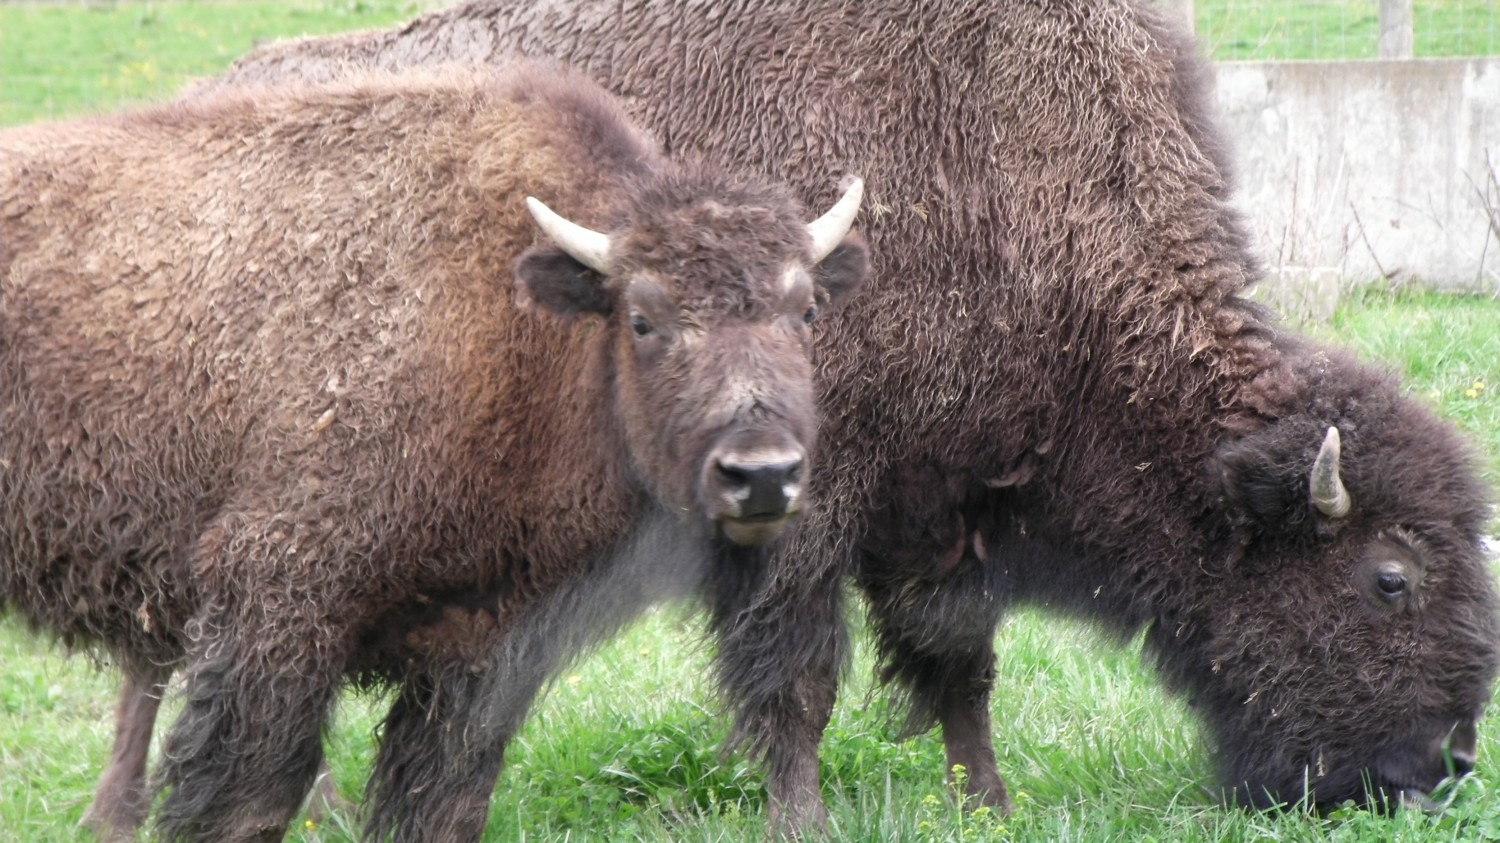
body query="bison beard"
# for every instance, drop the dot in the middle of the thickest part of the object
(273, 416)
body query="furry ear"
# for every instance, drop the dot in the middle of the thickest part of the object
(1260, 485)
(843, 270)
(556, 281)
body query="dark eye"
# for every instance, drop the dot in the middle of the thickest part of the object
(811, 315)
(639, 324)
(1391, 584)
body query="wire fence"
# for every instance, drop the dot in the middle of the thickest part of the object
(61, 57)
(1259, 30)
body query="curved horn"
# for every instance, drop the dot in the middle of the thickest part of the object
(1328, 492)
(585, 245)
(828, 230)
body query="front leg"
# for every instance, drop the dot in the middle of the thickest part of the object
(268, 644)
(963, 712)
(935, 630)
(781, 642)
(440, 755)
(470, 681)
(241, 757)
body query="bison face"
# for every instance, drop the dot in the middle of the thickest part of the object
(1352, 643)
(710, 292)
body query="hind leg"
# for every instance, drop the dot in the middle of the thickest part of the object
(963, 713)
(122, 799)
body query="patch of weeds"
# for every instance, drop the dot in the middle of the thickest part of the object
(958, 817)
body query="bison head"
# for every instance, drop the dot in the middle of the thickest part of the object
(710, 287)
(1352, 640)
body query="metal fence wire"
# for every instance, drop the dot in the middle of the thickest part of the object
(1258, 30)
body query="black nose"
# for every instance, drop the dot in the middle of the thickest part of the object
(761, 487)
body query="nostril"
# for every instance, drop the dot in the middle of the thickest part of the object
(733, 476)
(1460, 763)
(794, 473)
(760, 474)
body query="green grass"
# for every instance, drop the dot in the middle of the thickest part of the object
(1341, 29)
(625, 748)
(60, 59)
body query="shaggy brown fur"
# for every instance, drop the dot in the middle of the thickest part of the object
(269, 412)
(1054, 391)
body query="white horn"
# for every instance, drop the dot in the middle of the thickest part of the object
(1328, 492)
(828, 230)
(585, 245)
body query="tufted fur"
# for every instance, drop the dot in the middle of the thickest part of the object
(1053, 391)
(269, 412)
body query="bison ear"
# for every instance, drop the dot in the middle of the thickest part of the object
(844, 269)
(1257, 486)
(555, 280)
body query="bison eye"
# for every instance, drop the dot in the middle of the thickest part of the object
(639, 324)
(1391, 584)
(811, 315)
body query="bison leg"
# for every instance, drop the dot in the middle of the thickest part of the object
(243, 754)
(963, 711)
(122, 799)
(935, 637)
(778, 661)
(439, 759)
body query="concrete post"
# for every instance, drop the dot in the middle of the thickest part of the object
(1395, 29)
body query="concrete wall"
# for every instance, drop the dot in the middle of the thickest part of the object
(1354, 171)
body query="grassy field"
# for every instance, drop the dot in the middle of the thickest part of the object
(61, 58)
(58, 59)
(624, 747)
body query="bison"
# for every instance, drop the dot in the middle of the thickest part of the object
(1053, 391)
(272, 413)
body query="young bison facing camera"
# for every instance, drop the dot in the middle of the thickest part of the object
(270, 414)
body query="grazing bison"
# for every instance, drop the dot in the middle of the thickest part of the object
(270, 413)
(1053, 391)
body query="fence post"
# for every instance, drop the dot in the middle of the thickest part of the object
(1395, 29)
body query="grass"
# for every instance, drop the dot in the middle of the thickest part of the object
(1262, 30)
(624, 747)
(60, 59)
(63, 58)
